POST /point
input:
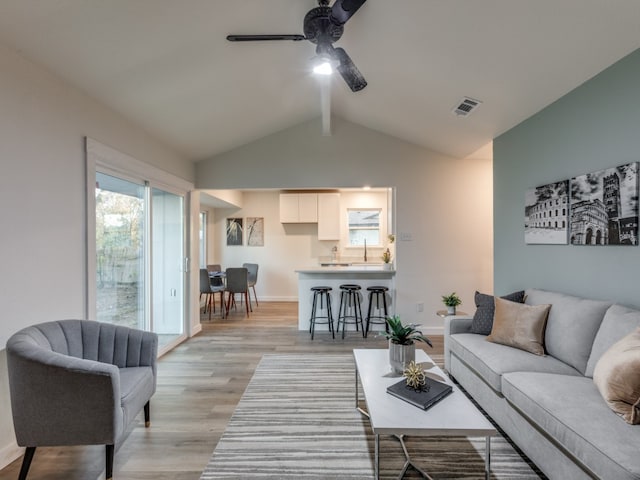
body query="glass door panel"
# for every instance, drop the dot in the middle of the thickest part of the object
(120, 251)
(167, 264)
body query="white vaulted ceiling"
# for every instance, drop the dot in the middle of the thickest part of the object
(165, 64)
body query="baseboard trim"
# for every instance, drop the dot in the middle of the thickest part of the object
(432, 330)
(276, 299)
(9, 453)
(195, 329)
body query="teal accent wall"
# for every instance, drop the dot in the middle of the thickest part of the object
(595, 126)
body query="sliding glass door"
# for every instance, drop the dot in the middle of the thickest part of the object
(140, 274)
(120, 252)
(167, 265)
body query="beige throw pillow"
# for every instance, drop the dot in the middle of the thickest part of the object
(519, 325)
(617, 376)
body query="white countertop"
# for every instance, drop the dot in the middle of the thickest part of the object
(349, 269)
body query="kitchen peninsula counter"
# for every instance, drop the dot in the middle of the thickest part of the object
(365, 275)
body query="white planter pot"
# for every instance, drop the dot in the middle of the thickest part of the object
(400, 356)
(387, 266)
(451, 310)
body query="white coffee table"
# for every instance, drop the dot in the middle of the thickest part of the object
(453, 416)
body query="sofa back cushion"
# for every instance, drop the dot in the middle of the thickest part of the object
(618, 322)
(571, 326)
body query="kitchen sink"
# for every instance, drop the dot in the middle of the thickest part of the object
(335, 264)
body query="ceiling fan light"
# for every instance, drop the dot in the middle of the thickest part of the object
(323, 67)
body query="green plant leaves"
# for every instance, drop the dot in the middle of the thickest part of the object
(404, 334)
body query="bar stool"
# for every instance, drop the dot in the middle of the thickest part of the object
(350, 302)
(374, 295)
(323, 294)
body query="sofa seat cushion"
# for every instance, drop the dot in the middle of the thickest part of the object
(572, 412)
(136, 387)
(491, 360)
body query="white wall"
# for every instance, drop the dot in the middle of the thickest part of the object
(43, 122)
(443, 204)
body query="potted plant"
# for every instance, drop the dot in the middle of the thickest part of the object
(451, 301)
(402, 347)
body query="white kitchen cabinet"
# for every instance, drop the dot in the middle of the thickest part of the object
(288, 207)
(298, 207)
(308, 207)
(328, 216)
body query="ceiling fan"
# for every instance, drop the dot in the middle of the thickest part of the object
(324, 25)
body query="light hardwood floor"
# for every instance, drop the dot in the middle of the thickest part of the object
(199, 385)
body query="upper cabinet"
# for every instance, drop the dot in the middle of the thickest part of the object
(298, 207)
(328, 216)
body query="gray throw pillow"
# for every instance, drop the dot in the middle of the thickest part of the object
(485, 308)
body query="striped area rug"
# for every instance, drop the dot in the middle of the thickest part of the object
(297, 420)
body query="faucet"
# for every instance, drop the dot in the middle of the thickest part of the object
(334, 253)
(365, 249)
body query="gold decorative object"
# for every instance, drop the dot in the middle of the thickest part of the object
(415, 375)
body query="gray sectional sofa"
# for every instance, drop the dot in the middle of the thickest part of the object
(549, 405)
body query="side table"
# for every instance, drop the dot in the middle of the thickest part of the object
(444, 314)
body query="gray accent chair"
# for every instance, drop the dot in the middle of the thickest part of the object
(79, 382)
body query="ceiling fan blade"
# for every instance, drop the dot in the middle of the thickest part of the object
(343, 10)
(258, 38)
(349, 71)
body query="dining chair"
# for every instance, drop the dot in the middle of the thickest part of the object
(216, 281)
(252, 278)
(207, 288)
(237, 282)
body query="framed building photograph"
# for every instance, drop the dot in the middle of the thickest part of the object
(604, 207)
(546, 215)
(255, 231)
(234, 231)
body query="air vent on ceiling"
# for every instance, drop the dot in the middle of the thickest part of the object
(466, 106)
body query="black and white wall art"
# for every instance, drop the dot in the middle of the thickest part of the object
(234, 231)
(255, 231)
(546, 216)
(604, 207)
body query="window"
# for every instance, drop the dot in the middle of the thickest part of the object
(364, 225)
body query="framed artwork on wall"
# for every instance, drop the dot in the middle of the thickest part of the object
(255, 231)
(604, 207)
(234, 231)
(546, 216)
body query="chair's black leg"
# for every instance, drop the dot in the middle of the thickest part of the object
(147, 415)
(26, 462)
(255, 296)
(109, 462)
(229, 296)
